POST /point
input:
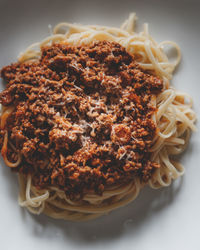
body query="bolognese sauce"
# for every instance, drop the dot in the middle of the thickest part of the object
(82, 117)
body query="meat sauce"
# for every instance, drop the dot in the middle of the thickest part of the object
(82, 118)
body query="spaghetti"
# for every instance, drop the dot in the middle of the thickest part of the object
(174, 118)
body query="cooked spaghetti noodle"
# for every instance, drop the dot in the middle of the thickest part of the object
(174, 118)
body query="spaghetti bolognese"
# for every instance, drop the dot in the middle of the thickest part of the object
(89, 118)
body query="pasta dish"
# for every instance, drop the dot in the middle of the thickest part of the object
(89, 118)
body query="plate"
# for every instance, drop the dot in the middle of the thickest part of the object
(158, 219)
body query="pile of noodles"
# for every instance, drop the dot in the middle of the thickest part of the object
(174, 118)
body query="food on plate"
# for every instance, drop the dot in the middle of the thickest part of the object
(89, 118)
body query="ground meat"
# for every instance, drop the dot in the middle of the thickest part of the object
(83, 117)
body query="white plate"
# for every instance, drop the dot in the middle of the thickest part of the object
(159, 219)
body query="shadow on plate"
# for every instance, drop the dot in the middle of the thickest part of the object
(11, 183)
(129, 219)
